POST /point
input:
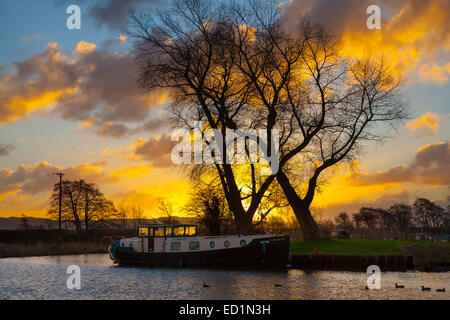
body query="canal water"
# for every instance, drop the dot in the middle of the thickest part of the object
(46, 278)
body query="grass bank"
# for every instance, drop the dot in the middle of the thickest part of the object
(427, 255)
(49, 249)
(359, 246)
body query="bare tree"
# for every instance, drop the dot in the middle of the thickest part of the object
(123, 216)
(385, 221)
(186, 50)
(96, 208)
(71, 203)
(165, 208)
(343, 221)
(402, 218)
(428, 216)
(131, 214)
(236, 66)
(137, 215)
(81, 201)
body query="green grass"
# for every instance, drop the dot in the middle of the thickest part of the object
(356, 246)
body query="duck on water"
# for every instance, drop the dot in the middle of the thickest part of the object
(178, 245)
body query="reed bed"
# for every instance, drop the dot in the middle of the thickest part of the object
(48, 249)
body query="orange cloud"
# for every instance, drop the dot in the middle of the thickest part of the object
(84, 47)
(431, 166)
(39, 177)
(157, 150)
(415, 36)
(123, 37)
(89, 82)
(426, 125)
(133, 172)
(349, 189)
(176, 193)
(87, 123)
(18, 107)
(434, 72)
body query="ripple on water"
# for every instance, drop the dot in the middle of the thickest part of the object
(45, 278)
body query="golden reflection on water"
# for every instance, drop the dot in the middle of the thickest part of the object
(45, 278)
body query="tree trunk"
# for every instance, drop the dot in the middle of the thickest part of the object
(243, 219)
(308, 226)
(86, 214)
(77, 220)
(243, 223)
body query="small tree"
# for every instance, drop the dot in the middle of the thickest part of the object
(165, 208)
(208, 205)
(24, 221)
(82, 204)
(131, 213)
(401, 218)
(429, 217)
(385, 221)
(137, 215)
(343, 221)
(369, 217)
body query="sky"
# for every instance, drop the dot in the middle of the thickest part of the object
(69, 103)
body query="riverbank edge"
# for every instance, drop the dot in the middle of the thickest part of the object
(54, 249)
(415, 258)
(336, 262)
(436, 261)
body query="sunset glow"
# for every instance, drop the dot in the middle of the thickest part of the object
(70, 102)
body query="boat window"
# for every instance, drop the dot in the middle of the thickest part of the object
(175, 246)
(178, 231)
(243, 243)
(212, 244)
(194, 245)
(226, 244)
(159, 232)
(143, 232)
(190, 231)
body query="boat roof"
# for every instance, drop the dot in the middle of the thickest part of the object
(167, 225)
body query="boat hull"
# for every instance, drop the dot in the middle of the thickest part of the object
(264, 252)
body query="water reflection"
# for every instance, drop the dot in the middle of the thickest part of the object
(45, 278)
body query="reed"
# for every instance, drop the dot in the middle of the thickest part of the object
(49, 249)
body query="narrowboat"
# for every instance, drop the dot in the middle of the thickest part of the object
(179, 245)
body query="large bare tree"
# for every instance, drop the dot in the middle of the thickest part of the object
(236, 66)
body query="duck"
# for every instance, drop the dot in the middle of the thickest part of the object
(278, 285)
(425, 289)
(398, 286)
(205, 285)
(440, 290)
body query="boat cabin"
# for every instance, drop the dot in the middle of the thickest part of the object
(172, 243)
(169, 230)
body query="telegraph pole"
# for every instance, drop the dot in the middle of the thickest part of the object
(60, 197)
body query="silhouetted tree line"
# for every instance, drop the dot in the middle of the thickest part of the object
(399, 221)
